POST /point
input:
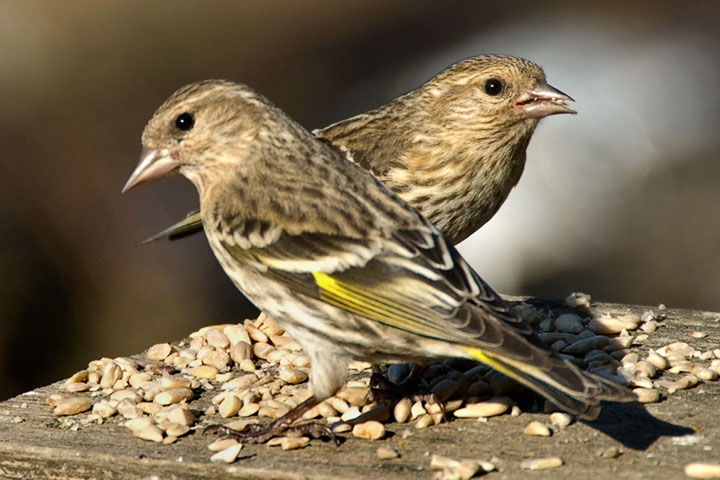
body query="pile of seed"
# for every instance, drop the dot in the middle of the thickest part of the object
(610, 347)
(255, 370)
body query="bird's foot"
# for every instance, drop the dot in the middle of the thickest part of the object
(262, 433)
(383, 390)
(282, 427)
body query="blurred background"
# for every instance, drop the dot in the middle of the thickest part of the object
(620, 201)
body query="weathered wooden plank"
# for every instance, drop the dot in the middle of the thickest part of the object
(36, 445)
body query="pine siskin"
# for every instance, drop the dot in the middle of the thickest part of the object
(453, 148)
(338, 260)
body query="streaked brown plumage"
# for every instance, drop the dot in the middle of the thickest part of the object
(449, 148)
(338, 260)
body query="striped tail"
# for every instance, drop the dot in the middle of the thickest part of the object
(561, 382)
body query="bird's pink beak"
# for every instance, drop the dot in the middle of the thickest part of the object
(543, 100)
(152, 164)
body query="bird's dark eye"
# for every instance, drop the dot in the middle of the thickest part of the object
(493, 86)
(185, 121)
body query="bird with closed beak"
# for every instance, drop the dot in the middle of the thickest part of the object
(453, 148)
(338, 260)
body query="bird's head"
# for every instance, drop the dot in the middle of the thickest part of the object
(493, 92)
(196, 120)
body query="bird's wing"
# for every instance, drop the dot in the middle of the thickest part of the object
(428, 290)
(191, 224)
(274, 250)
(414, 281)
(409, 279)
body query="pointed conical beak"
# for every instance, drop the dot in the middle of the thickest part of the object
(152, 164)
(544, 100)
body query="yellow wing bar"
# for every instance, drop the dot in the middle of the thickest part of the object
(379, 308)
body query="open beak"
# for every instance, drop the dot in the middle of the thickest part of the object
(543, 100)
(152, 164)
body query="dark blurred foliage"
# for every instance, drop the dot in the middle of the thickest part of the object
(79, 80)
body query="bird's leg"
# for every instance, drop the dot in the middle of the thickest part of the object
(282, 427)
(383, 390)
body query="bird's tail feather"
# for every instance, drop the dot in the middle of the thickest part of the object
(190, 225)
(562, 383)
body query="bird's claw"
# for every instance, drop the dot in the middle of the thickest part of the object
(256, 433)
(383, 390)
